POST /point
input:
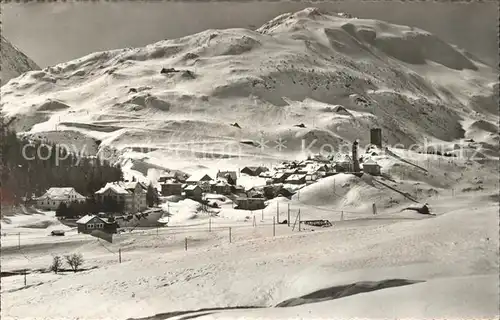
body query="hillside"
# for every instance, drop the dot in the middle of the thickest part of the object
(14, 62)
(292, 70)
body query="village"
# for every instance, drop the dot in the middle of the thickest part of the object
(125, 200)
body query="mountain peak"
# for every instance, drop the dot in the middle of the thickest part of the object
(14, 62)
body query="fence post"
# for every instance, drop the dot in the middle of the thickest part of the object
(299, 219)
(374, 208)
(209, 224)
(274, 226)
(341, 215)
(229, 234)
(277, 212)
(120, 255)
(262, 214)
(295, 223)
(19, 240)
(288, 220)
(25, 278)
(254, 222)
(185, 243)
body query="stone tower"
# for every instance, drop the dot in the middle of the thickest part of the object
(376, 137)
(355, 160)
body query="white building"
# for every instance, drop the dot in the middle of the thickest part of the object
(55, 196)
(200, 179)
(132, 194)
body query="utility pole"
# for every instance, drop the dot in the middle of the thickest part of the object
(299, 219)
(19, 240)
(185, 244)
(120, 255)
(288, 220)
(262, 214)
(274, 226)
(24, 278)
(209, 224)
(229, 234)
(278, 212)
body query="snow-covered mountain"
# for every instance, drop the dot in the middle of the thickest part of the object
(184, 94)
(181, 98)
(14, 62)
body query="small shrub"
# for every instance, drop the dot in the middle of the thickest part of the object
(56, 264)
(74, 260)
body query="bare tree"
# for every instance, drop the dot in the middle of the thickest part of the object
(74, 260)
(56, 264)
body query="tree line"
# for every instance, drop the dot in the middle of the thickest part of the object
(92, 205)
(25, 171)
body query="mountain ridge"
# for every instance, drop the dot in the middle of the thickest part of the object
(14, 62)
(403, 79)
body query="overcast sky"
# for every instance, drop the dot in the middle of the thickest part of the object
(50, 33)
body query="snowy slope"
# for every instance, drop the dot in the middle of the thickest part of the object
(453, 260)
(14, 62)
(291, 70)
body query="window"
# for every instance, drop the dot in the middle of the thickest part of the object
(90, 226)
(99, 225)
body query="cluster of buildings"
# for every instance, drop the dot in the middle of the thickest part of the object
(196, 185)
(131, 194)
(278, 182)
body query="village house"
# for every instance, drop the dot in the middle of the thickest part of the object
(245, 203)
(276, 190)
(221, 187)
(344, 164)
(172, 176)
(238, 190)
(89, 223)
(296, 179)
(131, 194)
(279, 177)
(371, 167)
(200, 179)
(193, 192)
(255, 193)
(266, 174)
(171, 188)
(229, 176)
(311, 178)
(281, 167)
(51, 199)
(253, 171)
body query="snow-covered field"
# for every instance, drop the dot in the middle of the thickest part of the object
(296, 69)
(454, 256)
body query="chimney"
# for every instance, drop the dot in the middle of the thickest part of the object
(355, 160)
(376, 137)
